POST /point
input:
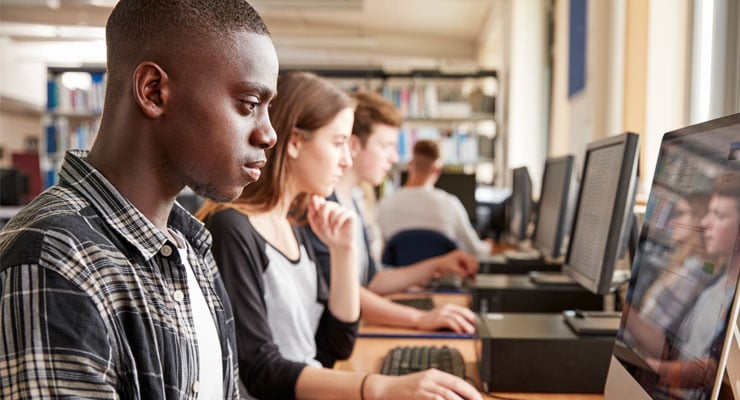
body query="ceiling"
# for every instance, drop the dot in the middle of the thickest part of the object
(390, 34)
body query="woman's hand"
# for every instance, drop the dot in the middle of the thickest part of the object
(332, 223)
(457, 262)
(448, 316)
(429, 384)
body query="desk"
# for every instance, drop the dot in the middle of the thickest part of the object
(368, 353)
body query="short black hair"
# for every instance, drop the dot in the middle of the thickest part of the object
(142, 30)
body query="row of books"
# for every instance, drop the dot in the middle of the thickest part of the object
(71, 100)
(59, 136)
(427, 101)
(457, 147)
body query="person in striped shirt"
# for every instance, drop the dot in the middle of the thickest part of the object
(108, 288)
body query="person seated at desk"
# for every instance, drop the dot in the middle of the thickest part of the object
(419, 205)
(373, 149)
(290, 326)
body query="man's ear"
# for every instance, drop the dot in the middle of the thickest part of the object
(355, 145)
(437, 169)
(151, 89)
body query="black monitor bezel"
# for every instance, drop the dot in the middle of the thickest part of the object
(518, 175)
(624, 202)
(561, 227)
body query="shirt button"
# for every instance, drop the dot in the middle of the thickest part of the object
(196, 386)
(178, 295)
(166, 250)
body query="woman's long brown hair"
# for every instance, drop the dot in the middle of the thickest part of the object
(305, 103)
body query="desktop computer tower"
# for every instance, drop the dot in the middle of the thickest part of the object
(519, 267)
(539, 353)
(518, 293)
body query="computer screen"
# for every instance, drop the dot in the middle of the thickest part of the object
(676, 330)
(552, 208)
(603, 213)
(461, 185)
(519, 205)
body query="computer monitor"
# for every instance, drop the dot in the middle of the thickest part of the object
(602, 219)
(552, 208)
(519, 205)
(676, 333)
(461, 185)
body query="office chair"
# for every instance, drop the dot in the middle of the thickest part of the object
(409, 246)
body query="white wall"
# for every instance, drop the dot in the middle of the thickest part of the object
(528, 92)
(668, 78)
(596, 111)
(599, 110)
(23, 65)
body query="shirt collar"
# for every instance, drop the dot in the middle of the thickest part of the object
(121, 215)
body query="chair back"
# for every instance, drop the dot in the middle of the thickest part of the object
(413, 245)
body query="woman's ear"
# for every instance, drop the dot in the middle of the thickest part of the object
(294, 144)
(151, 89)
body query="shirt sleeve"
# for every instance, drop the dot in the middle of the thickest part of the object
(334, 339)
(44, 355)
(241, 260)
(466, 235)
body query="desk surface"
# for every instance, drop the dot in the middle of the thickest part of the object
(368, 353)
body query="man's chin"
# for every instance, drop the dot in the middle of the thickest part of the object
(219, 195)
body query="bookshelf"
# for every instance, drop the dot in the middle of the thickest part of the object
(73, 108)
(455, 108)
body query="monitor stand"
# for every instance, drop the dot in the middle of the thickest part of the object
(518, 293)
(536, 352)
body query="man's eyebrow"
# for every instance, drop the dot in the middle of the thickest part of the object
(263, 90)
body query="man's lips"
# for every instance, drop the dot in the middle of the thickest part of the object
(254, 169)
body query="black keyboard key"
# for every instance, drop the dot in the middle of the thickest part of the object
(433, 357)
(406, 360)
(416, 359)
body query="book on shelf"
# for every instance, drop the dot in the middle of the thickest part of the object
(75, 98)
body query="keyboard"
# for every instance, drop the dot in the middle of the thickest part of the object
(410, 359)
(421, 303)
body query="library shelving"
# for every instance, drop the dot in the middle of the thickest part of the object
(74, 105)
(455, 108)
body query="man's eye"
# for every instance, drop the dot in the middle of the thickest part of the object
(250, 106)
